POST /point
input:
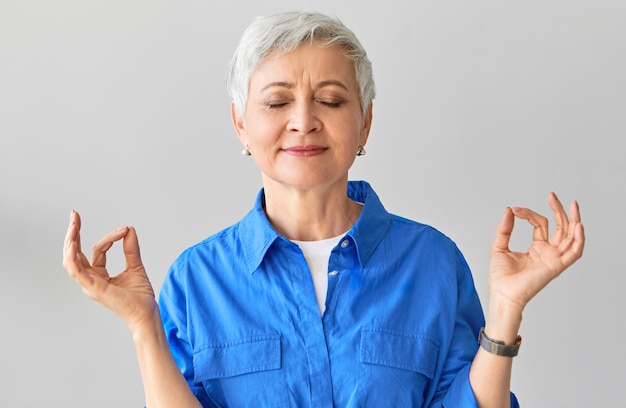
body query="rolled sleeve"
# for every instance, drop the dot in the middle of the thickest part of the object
(173, 311)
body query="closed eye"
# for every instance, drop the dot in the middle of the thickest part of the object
(331, 104)
(276, 105)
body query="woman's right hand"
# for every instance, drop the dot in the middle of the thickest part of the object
(128, 294)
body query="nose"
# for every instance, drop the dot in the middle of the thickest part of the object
(304, 119)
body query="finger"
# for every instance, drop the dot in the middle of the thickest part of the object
(574, 215)
(101, 247)
(560, 218)
(574, 212)
(503, 232)
(73, 263)
(131, 249)
(72, 240)
(69, 234)
(76, 219)
(538, 221)
(92, 283)
(572, 248)
(579, 239)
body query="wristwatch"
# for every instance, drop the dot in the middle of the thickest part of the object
(498, 347)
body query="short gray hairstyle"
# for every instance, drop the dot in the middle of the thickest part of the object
(281, 33)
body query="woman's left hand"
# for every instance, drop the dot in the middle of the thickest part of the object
(516, 277)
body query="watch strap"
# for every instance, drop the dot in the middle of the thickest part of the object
(499, 347)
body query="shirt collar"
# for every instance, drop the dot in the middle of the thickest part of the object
(258, 235)
(373, 223)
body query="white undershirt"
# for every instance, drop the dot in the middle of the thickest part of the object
(317, 254)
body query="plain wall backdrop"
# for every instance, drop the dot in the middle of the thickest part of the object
(118, 109)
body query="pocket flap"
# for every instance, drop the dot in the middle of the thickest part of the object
(413, 352)
(243, 356)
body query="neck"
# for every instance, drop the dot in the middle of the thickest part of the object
(310, 214)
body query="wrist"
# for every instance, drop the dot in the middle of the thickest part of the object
(149, 328)
(504, 319)
(498, 347)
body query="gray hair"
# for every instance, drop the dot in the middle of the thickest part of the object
(281, 33)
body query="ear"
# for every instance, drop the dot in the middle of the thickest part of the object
(239, 124)
(367, 125)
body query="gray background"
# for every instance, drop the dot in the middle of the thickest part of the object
(118, 109)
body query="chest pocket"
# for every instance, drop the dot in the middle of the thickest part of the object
(243, 373)
(403, 364)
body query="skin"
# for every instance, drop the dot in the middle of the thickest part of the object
(514, 279)
(303, 124)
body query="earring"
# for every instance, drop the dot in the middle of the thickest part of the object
(246, 151)
(360, 151)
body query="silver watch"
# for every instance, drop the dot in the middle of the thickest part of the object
(498, 347)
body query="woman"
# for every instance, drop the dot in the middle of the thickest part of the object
(318, 297)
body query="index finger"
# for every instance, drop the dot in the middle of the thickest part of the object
(538, 221)
(100, 249)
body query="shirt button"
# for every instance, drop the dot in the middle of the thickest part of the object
(345, 243)
(333, 273)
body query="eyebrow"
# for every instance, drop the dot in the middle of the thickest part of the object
(287, 85)
(330, 82)
(290, 85)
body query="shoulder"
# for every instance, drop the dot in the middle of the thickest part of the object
(422, 232)
(427, 243)
(211, 251)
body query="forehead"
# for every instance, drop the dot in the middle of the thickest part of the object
(308, 62)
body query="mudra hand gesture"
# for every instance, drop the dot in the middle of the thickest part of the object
(129, 294)
(515, 277)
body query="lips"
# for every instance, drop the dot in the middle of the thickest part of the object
(305, 151)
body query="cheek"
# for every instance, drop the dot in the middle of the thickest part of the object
(263, 128)
(353, 134)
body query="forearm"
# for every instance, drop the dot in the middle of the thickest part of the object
(490, 374)
(164, 385)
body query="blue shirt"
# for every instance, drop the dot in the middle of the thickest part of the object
(399, 330)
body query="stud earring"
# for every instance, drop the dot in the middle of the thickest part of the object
(360, 151)
(246, 151)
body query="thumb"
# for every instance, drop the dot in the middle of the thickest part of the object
(503, 232)
(131, 249)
